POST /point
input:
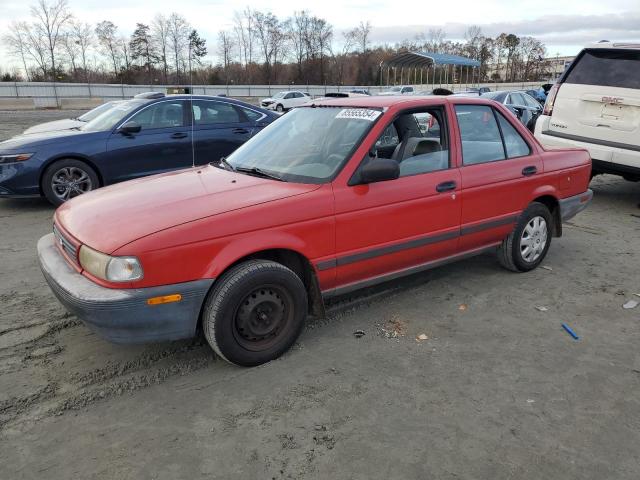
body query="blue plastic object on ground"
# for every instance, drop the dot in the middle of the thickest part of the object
(570, 332)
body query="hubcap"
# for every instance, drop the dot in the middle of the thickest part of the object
(534, 239)
(69, 182)
(261, 317)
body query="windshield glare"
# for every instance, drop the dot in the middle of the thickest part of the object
(99, 110)
(307, 145)
(109, 119)
(395, 89)
(279, 95)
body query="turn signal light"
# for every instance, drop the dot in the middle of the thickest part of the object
(551, 98)
(164, 299)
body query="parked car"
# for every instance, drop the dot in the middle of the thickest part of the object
(522, 105)
(134, 138)
(538, 94)
(69, 123)
(399, 90)
(284, 101)
(360, 91)
(473, 91)
(596, 105)
(320, 203)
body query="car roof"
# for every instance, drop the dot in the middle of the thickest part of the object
(609, 44)
(207, 97)
(391, 100)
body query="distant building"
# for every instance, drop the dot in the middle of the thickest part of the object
(548, 69)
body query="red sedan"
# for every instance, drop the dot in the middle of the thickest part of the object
(331, 197)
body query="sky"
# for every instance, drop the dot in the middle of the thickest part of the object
(563, 25)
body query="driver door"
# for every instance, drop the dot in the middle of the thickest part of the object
(163, 143)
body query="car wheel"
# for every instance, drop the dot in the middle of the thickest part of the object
(528, 243)
(65, 179)
(279, 108)
(255, 312)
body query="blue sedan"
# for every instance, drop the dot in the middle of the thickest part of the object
(137, 137)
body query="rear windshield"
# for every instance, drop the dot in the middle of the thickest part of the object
(607, 68)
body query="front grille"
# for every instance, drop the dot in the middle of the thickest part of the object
(66, 245)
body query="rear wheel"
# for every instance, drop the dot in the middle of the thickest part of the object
(255, 312)
(528, 243)
(66, 179)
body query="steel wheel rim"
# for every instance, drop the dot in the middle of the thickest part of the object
(262, 317)
(69, 182)
(533, 240)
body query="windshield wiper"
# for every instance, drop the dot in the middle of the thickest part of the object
(224, 164)
(260, 173)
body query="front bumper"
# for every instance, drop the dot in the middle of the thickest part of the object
(571, 206)
(122, 315)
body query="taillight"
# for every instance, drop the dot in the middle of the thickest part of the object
(551, 98)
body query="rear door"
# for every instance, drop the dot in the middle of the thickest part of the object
(599, 99)
(499, 172)
(219, 128)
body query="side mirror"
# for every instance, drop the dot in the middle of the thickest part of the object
(130, 128)
(379, 170)
(519, 111)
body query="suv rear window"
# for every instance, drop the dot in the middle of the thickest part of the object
(608, 68)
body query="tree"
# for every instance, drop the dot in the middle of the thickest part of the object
(82, 35)
(245, 34)
(106, 32)
(143, 49)
(178, 33)
(17, 41)
(197, 47)
(361, 34)
(160, 37)
(50, 20)
(226, 45)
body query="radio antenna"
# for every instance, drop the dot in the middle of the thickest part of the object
(192, 115)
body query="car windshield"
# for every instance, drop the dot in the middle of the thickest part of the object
(279, 94)
(107, 120)
(493, 95)
(99, 110)
(395, 89)
(307, 145)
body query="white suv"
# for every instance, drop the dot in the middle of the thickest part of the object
(596, 105)
(285, 100)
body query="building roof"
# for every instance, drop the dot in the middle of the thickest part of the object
(424, 59)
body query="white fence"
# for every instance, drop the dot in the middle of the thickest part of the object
(52, 95)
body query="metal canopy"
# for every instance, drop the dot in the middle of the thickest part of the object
(424, 59)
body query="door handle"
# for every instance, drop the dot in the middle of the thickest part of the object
(179, 135)
(446, 186)
(240, 130)
(528, 171)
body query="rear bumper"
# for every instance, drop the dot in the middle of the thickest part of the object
(122, 315)
(571, 206)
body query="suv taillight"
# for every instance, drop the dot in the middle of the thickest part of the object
(551, 98)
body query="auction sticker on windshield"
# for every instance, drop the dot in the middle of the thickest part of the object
(360, 113)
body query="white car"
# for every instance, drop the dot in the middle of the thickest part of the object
(596, 105)
(283, 101)
(399, 90)
(69, 123)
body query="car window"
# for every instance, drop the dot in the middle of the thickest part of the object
(608, 68)
(288, 95)
(479, 134)
(422, 146)
(517, 99)
(513, 141)
(161, 115)
(531, 102)
(251, 114)
(209, 113)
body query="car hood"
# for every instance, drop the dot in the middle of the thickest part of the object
(111, 217)
(54, 126)
(35, 140)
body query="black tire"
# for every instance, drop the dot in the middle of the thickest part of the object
(78, 170)
(254, 312)
(280, 108)
(512, 253)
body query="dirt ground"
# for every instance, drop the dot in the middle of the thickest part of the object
(497, 390)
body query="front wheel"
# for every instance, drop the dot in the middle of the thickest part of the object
(279, 108)
(528, 243)
(66, 179)
(255, 312)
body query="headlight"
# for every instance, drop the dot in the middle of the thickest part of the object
(15, 157)
(106, 267)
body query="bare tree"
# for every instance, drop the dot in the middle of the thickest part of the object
(72, 51)
(50, 20)
(226, 44)
(178, 35)
(299, 29)
(436, 40)
(322, 35)
(245, 34)
(160, 37)
(17, 41)
(361, 33)
(82, 35)
(341, 59)
(106, 32)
